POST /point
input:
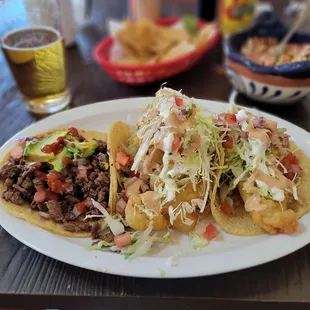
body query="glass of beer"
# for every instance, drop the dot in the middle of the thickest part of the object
(33, 46)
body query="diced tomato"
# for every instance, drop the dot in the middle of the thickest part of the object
(229, 143)
(122, 159)
(229, 118)
(226, 208)
(221, 133)
(197, 143)
(130, 162)
(53, 176)
(17, 152)
(55, 184)
(67, 161)
(44, 194)
(290, 175)
(134, 174)
(211, 232)
(51, 196)
(121, 205)
(290, 162)
(178, 101)
(117, 166)
(124, 197)
(285, 141)
(175, 143)
(295, 168)
(40, 195)
(122, 240)
(243, 135)
(82, 206)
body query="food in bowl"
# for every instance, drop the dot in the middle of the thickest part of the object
(146, 42)
(263, 51)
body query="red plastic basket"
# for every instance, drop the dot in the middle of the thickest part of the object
(143, 74)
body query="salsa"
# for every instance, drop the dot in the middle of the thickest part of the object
(72, 131)
(263, 52)
(56, 147)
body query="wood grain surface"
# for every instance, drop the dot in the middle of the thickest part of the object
(29, 279)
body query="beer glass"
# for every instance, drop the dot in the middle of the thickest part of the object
(33, 46)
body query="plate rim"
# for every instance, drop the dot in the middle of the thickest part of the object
(111, 105)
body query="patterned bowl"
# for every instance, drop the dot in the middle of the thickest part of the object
(282, 84)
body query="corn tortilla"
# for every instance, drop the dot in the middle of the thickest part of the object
(32, 216)
(118, 137)
(241, 224)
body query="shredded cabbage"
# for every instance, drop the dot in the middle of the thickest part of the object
(192, 165)
(198, 241)
(142, 245)
(116, 226)
(101, 244)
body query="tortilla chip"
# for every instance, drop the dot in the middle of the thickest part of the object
(32, 216)
(176, 51)
(117, 140)
(239, 223)
(146, 42)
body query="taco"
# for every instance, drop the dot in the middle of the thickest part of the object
(165, 170)
(49, 179)
(262, 187)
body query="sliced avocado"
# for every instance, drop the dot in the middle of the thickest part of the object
(33, 153)
(82, 149)
(57, 161)
(89, 148)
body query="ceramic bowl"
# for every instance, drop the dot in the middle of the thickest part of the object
(281, 84)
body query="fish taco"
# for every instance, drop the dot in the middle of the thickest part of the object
(165, 170)
(49, 180)
(264, 183)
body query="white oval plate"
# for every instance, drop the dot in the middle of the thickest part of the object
(228, 254)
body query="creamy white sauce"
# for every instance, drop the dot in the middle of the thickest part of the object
(277, 194)
(258, 150)
(241, 116)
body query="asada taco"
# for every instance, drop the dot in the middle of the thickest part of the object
(49, 180)
(165, 170)
(263, 187)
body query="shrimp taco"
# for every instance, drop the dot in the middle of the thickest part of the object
(164, 171)
(49, 180)
(264, 184)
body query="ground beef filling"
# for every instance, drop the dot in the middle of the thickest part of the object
(22, 179)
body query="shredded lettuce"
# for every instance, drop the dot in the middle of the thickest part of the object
(100, 245)
(191, 165)
(142, 245)
(116, 226)
(198, 241)
(161, 272)
(132, 145)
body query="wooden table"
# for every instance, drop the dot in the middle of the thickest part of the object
(29, 279)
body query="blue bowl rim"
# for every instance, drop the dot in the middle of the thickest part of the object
(268, 24)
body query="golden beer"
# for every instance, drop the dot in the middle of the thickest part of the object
(36, 56)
